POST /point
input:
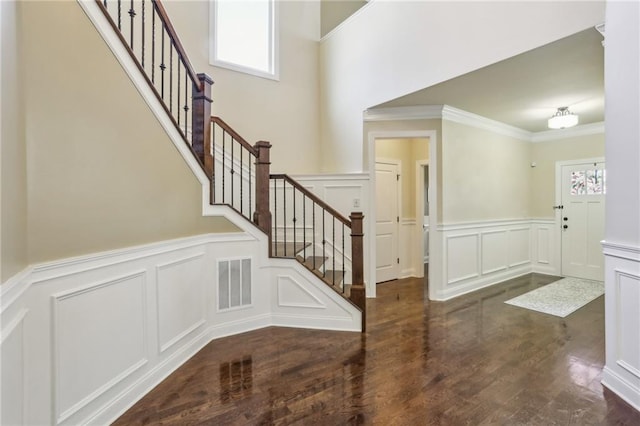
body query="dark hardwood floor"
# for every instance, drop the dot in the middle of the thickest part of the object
(473, 360)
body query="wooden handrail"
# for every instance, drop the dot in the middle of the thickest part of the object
(313, 197)
(220, 122)
(173, 35)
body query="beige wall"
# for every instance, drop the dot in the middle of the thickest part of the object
(545, 155)
(485, 175)
(101, 173)
(284, 112)
(407, 152)
(334, 12)
(13, 175)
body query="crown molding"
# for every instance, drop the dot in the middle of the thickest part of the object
(463, 117)
(446, 112)
(583, 130)
(419, 112)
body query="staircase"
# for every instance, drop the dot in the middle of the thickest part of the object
(300, 226)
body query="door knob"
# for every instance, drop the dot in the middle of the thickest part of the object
(566, 218)
(565, 226)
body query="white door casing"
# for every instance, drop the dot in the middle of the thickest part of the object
(581, 218)
(387, 215)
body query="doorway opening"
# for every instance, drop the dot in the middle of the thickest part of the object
(399, 166)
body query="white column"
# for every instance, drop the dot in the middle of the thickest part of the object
(622, 232)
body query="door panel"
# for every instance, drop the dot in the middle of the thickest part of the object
(386, 222)
(582, 220)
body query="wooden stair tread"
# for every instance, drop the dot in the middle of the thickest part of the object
(319, 261)
(333, 278)
(288, 249)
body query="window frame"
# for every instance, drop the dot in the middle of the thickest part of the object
(274, 54)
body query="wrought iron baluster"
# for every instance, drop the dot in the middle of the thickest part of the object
(241, 183)
(333, 245)
(295, 219)
(313, 229)
(304, 226)
(120, 15)
(171, 78)
(213, 176)
(224, 154)
(284, 213)
(324, 243)
(275, 216)
(178, 97)
(232, 177)
(153, 46)
(344, 270)
(186, 102)
(162, 65)
(250, 188)
(132, 14)
(143, 38)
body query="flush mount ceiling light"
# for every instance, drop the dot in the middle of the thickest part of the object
(562, 119)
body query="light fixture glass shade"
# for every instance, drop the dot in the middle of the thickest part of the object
(562, 119)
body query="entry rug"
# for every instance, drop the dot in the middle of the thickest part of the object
(560, 298)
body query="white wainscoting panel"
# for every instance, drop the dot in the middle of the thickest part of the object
(181, 299)
(292, 294)
(341, 197)
(98, 339)
(494, 251)
(479, 254)
(13, 372)
(622, 321)
(544, 246)
(308, 301)
(462, 257)
(103, 329)
(519, 246)
(628, 311)
(410, 265)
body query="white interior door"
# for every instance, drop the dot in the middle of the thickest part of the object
(582, 220)
(387, 217)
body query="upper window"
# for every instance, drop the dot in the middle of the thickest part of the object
(244, 36)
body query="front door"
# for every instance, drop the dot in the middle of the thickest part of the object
(582, 220)
(387, 267)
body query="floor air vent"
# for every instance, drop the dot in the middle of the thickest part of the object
(234, 283)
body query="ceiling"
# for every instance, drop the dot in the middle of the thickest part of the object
(525, 90)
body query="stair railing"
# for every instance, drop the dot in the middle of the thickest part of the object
(311, 231)
(145, 29)
(239, 172)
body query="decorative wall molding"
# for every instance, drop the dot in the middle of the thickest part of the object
(622, 251)
(78, 336)
(12, 344)
(331, 177)
(572, 132)
(622, 304)
(477, 121)
(180, 278)
(82, 309)
(456, 115)
(483, 253)
(420, 112)
(302, 298)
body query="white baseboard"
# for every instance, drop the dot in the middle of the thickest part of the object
(625, 390)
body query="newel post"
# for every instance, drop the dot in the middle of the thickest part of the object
(358, 293)
(201, 122)
(262, 214)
